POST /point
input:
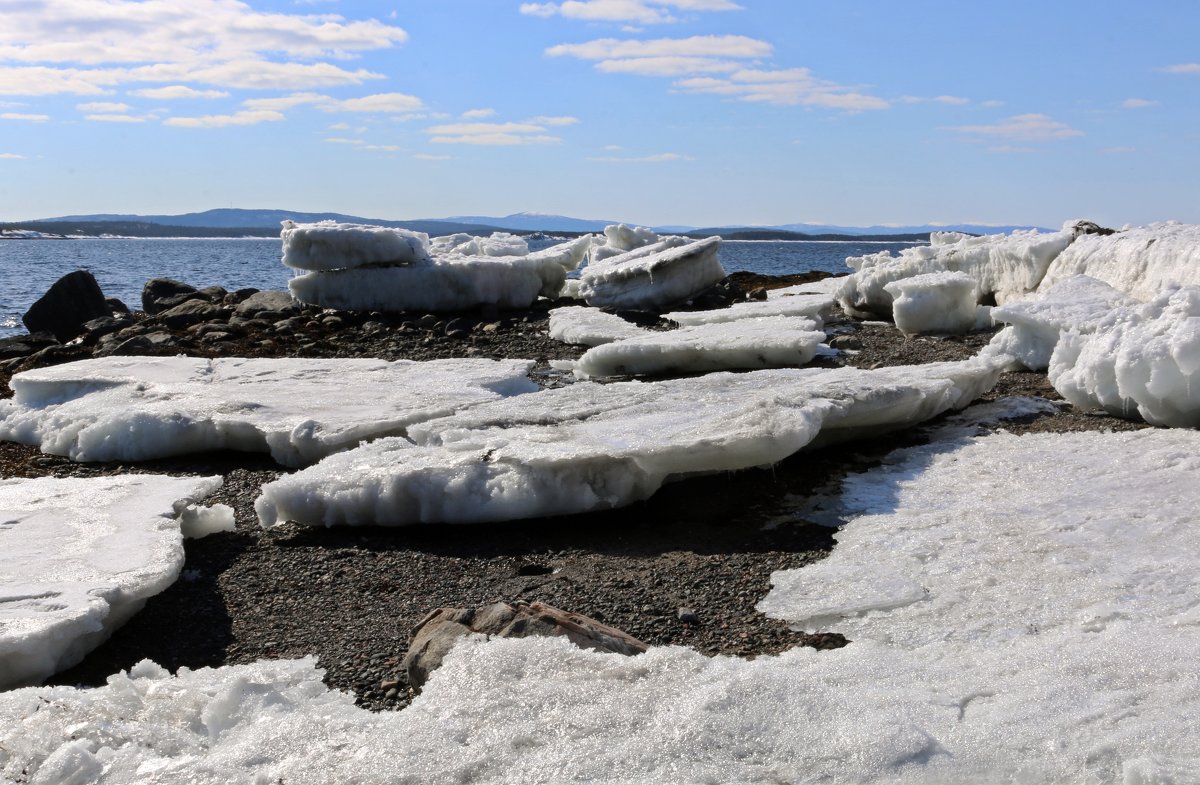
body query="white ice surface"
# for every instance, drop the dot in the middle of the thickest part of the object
(568, 255)
(589, 326)
(497, 244)
(827, 286)
(655, 279)
(816, 307)
(1141, 262)
(591, 446)
(79, 557)
(619, 239)
(942, 302)
(331, 246)
(1003, 266)
(1139, 360)
(745, 344)
(299, 410)
(1080, 303)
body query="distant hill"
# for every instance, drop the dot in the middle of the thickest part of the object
(536, 222)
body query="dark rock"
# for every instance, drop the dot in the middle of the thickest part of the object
(458, 328)
(688, 616)
(191, 312)
(160, 294)
(214, 293)
(73, 300)
(25, 345)
(279, 303)
(118, 308)
(98, 328)
(437, 633)
(844, 342)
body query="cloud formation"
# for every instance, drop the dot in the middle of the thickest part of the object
(1022, 128)
(249, 117)
(491, 134)
(644, 12)
(644, 159)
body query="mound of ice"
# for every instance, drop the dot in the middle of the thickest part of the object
(619, 239)
(1141, 262)
(331, 246)
(1142, 359)
(1080, 304)
(568, 255)
(589, 326)
(299, 410)
(1003, 266)
(655, 279)
(80, 558)
(498, 244)
(745, 344)
(814, 307)
(934, 303)
(591, 447)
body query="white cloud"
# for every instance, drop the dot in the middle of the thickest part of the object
(949, 100)
(12, 156)
(785, 87)
(428, 157)
(485, 128)
(491, 134)
(666, 66)
(101, 106)
(495, 140)
(555, 120)
(645, 159)
(175, 92)
(342, 140)
(1182, 68)
(340, 127)
(1011, 149)
(224, 120)
(1137, 103)
(382, 103)
(613, 148)
(114, 118)
(992, 104)
(708, 46)
(478, 114)
(646, 12)
(387, 148)
(1022, 128)
(32, 118)
(1118, 150)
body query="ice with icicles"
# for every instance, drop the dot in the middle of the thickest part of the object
(328, 245)
(653, 277)
(1141, 262)
(81, 556)
(593, 447)
(461, 244)
(1141, 360)
(299, 410)
(1052, 640)
(1003, 266)
(745, 344)
(935, 303)
(814, 307)
(1080, 304)
(579, 324)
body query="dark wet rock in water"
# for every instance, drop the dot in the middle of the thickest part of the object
(438, 632)
(66, 306)
(161, 294)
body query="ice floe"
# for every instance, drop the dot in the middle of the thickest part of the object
(654, 276)
(497, 244)
(299, 410)
(81, 556)
(620, 239)
(591, 447)
(328, 245)
(816, 307)
(580, 324)
(1142, 262)
(934, 303)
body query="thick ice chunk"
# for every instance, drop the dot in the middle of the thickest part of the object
(461, 244)
(1141, 262)
(1080, 303)
(1140, 360)
(745, 344)
(827, 286)
(591, 446)
(619, 239)
(654, 280)
(568, 255)
(589, 326)
(332, 246)
(80, 557)
(934, 303)
(1003, 266)
(815, 307)
(299, 410)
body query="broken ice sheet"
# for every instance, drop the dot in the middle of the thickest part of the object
(654, 276)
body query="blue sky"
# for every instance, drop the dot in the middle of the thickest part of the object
(696, 112)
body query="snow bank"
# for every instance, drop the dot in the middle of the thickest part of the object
(653, 280)
(299, 410)
(815, 307)
(591, 447)
(934, 303)
(1142, 359)
(461, 244)
(80, 557)
(589, 326)
(1141, 262)
(330, 246)
(745, 344)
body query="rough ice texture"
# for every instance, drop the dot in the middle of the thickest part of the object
(299, 410)
(745, 344)
(331, 246)
(619, 239)
(1141, 262)
(569, 255)
(934, 303)
(589, 326)
(827, 286)
(1141, 360)
(80, 556)
(498, 244)
(654, 280)
(816, 307)
(1003, 266)
(1080, 303)
(591, 446)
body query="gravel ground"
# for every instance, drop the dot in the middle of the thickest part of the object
(353, 596)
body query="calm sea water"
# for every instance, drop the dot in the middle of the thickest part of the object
(122, 266)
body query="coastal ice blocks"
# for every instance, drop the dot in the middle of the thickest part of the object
(814, 307)
(569, 255)
(81, 556)
(934, 303)
(745, 344)
(299, 410)
(619, 239)
(498, 244)
(589, 326)
(593, 447)
(653, 280)
(331, 246)
(1140, 360)
(1141, 262)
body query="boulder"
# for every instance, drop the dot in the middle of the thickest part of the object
(161, 294)
(191, 312)
(72, 301)
(278, 302)
(25, 345)
(437, 633)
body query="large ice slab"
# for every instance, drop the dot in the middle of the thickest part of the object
(1141, 262)
(1140, 360)
(328, 245)
(816, 307)
(745, 344)
(497, 244)
(299, 410)
(651, 278)
(81, 556)
(569, 254)
(592, 447)
(618, 239)
(589, 326)
(942, 302)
